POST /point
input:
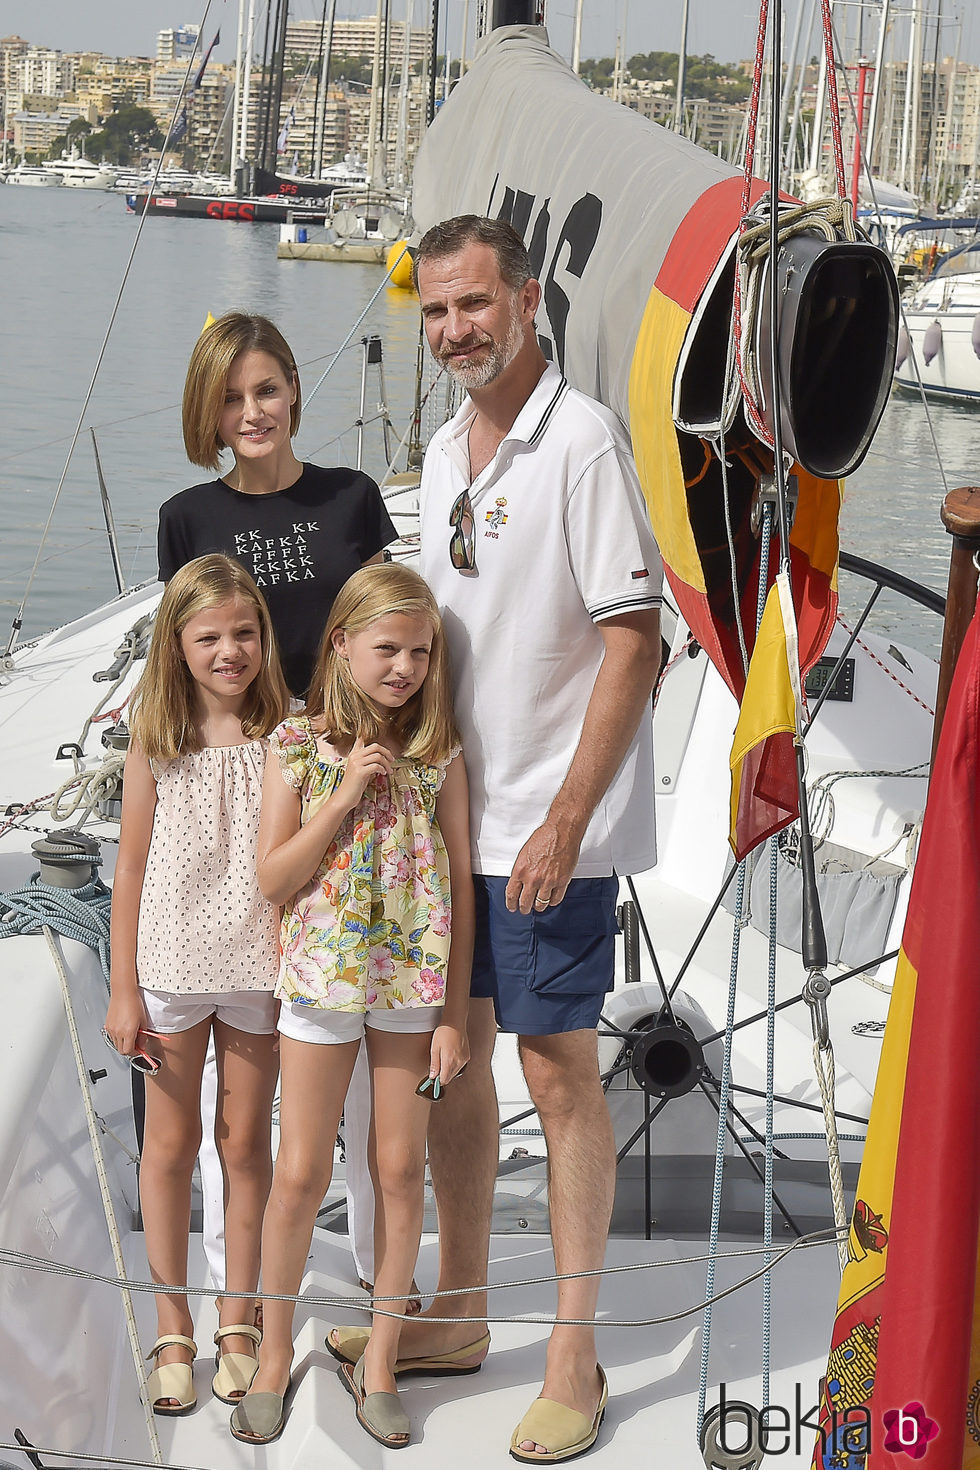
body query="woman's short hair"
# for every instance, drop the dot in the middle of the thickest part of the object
(215, 351)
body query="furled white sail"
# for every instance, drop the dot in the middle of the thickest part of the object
(599, 192)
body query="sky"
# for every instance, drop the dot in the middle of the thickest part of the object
(725, 28)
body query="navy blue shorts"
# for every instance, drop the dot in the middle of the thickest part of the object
(549, 971)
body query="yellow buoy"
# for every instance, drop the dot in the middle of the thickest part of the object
(401, 273)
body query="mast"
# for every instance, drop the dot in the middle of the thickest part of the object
(237, 112)
(681, 71)
(375, 89)
(789, 158)
(434, 61)
(401, 141)
(790, 68)
(462, 44)
(262, 129)
(326, 53)
(278, 63)
(577, 38)
(930, 158)
(939, 167)
(876, 91)
(909, 87)
(817, 136)
(247, 81)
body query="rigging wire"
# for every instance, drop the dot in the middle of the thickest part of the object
(913, 356)
(18, 620)
(812, 1240)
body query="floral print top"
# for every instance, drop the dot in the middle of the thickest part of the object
(370, 931)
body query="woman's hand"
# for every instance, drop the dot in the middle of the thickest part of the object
(364, 763)
(125, 1018)
(450, 1053)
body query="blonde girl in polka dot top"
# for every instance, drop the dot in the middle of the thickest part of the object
(195, 945)
(364, 837)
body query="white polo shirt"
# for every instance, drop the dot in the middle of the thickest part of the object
(562, 541)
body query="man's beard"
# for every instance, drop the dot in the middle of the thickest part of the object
(470, 375)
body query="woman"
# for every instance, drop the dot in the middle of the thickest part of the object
(300, 530)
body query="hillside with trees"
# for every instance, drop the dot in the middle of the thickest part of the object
(705, 77)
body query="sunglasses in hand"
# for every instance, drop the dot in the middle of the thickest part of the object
(140, 1061)
(438, 1087)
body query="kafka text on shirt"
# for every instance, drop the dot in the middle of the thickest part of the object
(278, 559)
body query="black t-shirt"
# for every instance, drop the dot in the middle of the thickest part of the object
(299, 544)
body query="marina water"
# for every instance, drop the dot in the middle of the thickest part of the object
(62, 257)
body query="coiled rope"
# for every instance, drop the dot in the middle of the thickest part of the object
(89, 788)
(81, 914)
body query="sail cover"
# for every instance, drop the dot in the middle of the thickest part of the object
(630, 229)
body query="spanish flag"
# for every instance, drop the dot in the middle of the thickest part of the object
(905, 1351)
(763, 759)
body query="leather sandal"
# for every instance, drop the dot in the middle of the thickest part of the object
(172, 1380)
(564, 1432)
(347, 1345)
(413, 1304)
(381, 1414)
(259, 1418)
(235, 1371)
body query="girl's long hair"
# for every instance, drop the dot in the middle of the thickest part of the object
(425, 723)
(215, 352)
(164, 702)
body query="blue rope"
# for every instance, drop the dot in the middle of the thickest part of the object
(723, 1095)
(773, 846)
(77, 913)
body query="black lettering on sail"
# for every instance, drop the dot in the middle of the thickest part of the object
(516, 210)
(580, 232)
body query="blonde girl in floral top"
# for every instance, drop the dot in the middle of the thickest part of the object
(364, 839)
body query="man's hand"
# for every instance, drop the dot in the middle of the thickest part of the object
(544, 866)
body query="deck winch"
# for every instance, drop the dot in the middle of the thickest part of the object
(68, 858)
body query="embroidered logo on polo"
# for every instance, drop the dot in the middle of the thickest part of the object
(496, 518)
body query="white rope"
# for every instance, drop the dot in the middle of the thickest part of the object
(104, 1190)
(823, 1066)
(90, 787)
(828, 216)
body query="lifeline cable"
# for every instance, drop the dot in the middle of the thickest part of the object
(106, 1193)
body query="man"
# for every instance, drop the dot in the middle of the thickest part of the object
(536, 542)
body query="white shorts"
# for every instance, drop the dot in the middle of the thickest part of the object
(253, 1011)
(332, 1028)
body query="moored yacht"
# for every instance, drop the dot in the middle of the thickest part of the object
(76, 172)
(939, 346)
(37, 177)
